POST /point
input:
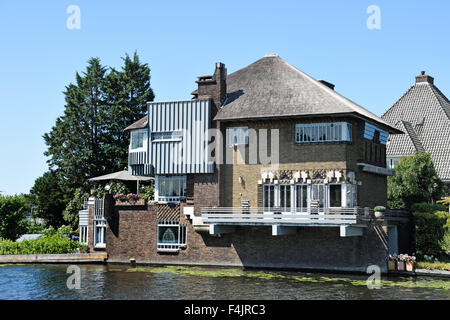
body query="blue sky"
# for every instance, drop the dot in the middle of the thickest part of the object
(183, 39)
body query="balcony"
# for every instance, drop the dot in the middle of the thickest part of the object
(351, 221)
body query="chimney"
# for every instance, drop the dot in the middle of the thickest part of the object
(424, 78)
(328, 84)
(213, 87)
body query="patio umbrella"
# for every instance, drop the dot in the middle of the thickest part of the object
(122, 175)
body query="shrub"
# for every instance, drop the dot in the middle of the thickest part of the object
(147, 192)
(427, 207)
(53, 244)
(430, 229)
(379, 209)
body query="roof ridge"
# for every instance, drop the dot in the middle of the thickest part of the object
(446, 109)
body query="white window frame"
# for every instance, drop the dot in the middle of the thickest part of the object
(323, 132)
(181, 180)
(181, 235)
(237, 136)
(167, 136)
(133, 134)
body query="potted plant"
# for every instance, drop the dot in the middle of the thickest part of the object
(379, 211)
(410, 262)
(401, 262)
(392, 262)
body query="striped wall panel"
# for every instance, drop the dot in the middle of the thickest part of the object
(175, 156)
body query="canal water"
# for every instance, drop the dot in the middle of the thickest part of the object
(49, 281)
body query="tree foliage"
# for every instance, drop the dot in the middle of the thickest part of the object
(13, 212)
(416, 180)
(88, 139)
(50, 198)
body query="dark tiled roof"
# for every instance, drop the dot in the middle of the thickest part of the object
(140, 124)
(405, 144)
(270, 87)
(423, 101)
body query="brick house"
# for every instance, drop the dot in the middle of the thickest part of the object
(265, 167)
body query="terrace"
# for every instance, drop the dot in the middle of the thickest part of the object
(350, 221)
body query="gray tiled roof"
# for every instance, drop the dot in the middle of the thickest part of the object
(423, 100)
(270, 87)
(140, 124)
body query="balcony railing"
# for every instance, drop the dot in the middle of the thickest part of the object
(263, 216)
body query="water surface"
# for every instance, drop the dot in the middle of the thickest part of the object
(48, 281)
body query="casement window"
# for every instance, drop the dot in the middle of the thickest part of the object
(167, 136)
(137, 139)
(299, 197)
(319, 193)
(323, 132)
(351, 196)
(100, 233)
(269, 197)
(375, 134)
(301, 200)
(171, 235)
(237, 136)
(285, 197)
(170, 188)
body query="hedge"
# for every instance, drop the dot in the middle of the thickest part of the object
(430, 229)
(53, 244)
(427, 207)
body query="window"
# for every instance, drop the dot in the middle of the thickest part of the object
(171, 235)
(335, 195)
(268, 197)
(285, 197)
(237, 136)
(323, 132)
(375, 134)
(99, 233)
(171, 188)
(351, 196)
(318, 193)
(137, 138)
(301, 202)
(167, 136)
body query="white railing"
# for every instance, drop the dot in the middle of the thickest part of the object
(170, 199)
(261, 216)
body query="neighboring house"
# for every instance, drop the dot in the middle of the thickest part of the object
(423, 113)
(264, 152)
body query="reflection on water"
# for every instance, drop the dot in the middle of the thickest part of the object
(48, 281)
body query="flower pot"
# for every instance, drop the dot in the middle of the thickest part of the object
(391, 265)
(400, 266)
(409, 266)
(379, 214)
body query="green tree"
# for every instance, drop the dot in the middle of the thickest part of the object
(415, 181)
(50, 198)
(88, 140)
(13, 212)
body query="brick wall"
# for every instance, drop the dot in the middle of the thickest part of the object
(131, 233)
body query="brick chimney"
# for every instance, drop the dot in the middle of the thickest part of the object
(213, 87)
(424, 78)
